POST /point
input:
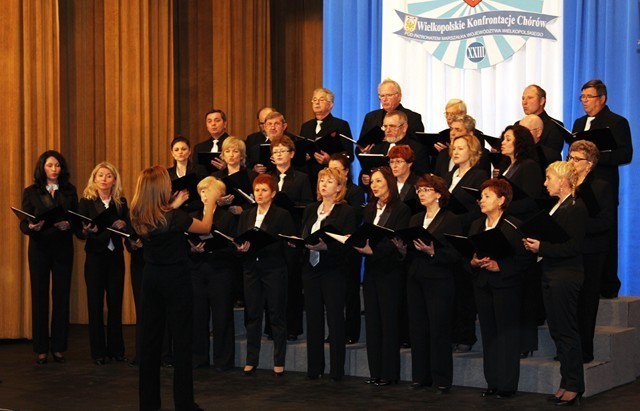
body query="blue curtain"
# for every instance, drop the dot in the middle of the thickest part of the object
(352, 58)
(601, 41)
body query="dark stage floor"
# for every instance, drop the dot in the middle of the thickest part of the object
(81, 385)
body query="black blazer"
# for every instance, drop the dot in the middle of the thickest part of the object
(224, 222)
(441, 168)
(512, 268)
(329, 124)
(207, 145)
(376, 117)
(599, 225)
(607, 167)
(296, 186)
(221, 174)
(559, 258)
(36, 200)
(386, 256)
(421, 163)
(473, 179)
(343, 218)
(408, 194)
(252, 143)
(551, 135)
(198, 169)
(355, 197)
(276, 221)
(98, 242)
(544, 156)
(440, 265)
(528, 177)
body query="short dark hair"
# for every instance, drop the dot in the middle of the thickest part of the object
(501, 188)
(600, 87)
(438, 184)
(266, 179)
(40, 176)
(523, 146)
(343, 159)
(180, 139)
(216, 110)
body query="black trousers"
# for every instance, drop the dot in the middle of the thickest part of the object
(265, 285)
(560, 294)
(464, 315)
(167, 297)
(325, 288)
(50, 265)
(295, 301)
(589, 300)
(352, 305)
(382, 291)
(430, 304)
(104, 275)
(532, 308)
(213, 298)
(610, 283)
(499, 315)
(136, 267)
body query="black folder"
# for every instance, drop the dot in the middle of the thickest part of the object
(369, 161)
(601, 137)
(212, 241)
(367, 231)
(330, 143)
(264, 157)
(518, 193)
(408, 235)
(373, 136)
(313, 238)
(494, 142)
(496, 159)
(544, 228)
(473, 192)
(456, 207)
(205, 158)
(188, 182)
(490, 243)
(239, 184)
(103, 221)
(50, 216)
(430, 139)
(257, 237)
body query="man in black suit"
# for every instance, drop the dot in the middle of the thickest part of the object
(259, 136)
(216, 121)
(534, 99)
(275, 126)
(460, 125)
(544, 155)
(325, 125)
(598, 115)
(390, 95)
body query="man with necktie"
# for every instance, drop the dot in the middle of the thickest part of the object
(216, 122)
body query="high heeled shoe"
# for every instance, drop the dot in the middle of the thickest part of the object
(569, 403)
(278, 373)
(555, 397)
(41, 359)
(249, 372)
(384, 383)
(58, 357)
(372, 381)
(489, 392)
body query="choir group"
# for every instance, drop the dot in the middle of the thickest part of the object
(439, 229)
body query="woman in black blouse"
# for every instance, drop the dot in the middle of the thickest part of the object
(237, 176)
(212, 274)
(104, 264)
(167, 293)
(324, 273)
(265, 274)
(598, 197)
(50, 254)
(430, 288)
(182, 165)
(562, 277)
(383, 283)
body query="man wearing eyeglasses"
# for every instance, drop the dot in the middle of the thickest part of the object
(260, 136)
(274, 128)
(598, 115)
(325, 125)
(390, 95)
(534, 99)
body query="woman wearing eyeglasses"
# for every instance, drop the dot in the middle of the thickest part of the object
(562, 277)
(382, 283)
(430, 288)
(598, 197)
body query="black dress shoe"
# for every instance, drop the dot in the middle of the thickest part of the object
(249, 372)
(405, 345)
(42, 360)
(59, 358)
(292, 337)
(384, 383)
(490, 392)
(372, 381)
(351, 341)
(505, 394)
(278, 374)
(416, 385)
(99, 361)
(569, 403)
(443, 390)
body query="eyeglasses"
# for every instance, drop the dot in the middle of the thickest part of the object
(450, 115)
(280, 151)
(585, 97)
(272, 125)
(576, 159)
(397, 161)
(391, 126)
(425, 190)
(319, 100)
(388, 95)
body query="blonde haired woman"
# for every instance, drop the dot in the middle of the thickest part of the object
(167, 294)
(104, 265)
(562, 277)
